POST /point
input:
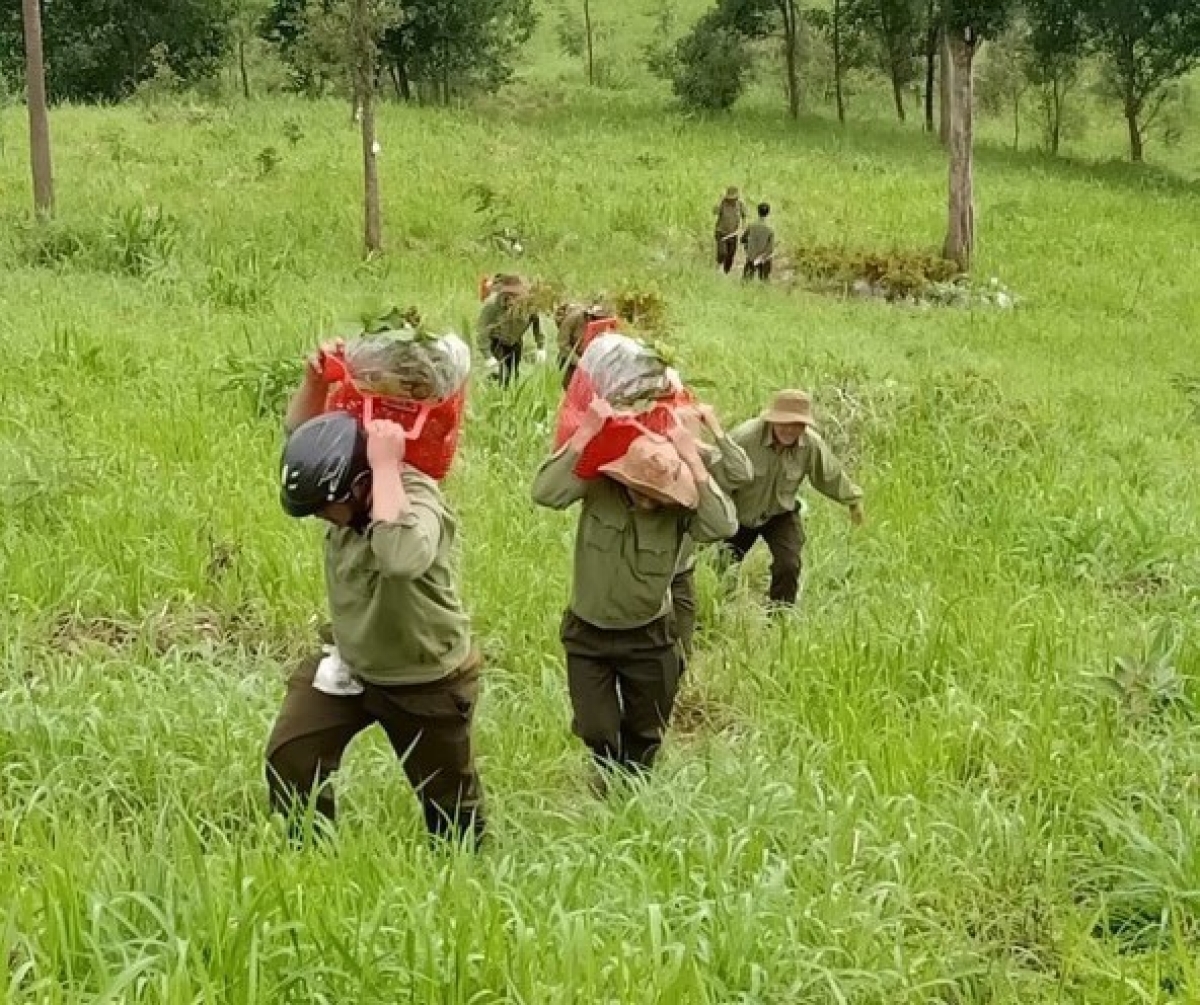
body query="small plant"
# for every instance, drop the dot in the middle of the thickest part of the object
(500, 228)
(52, 243)
(293, 132)
(264, 383)
(138, 240)
(241, 280)
(268, 160)
(643, 309)
(1149, 686)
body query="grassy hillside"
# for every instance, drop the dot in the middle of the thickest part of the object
(922, 790)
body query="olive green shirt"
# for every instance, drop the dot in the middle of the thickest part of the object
(571, 328)
(779, 472)
(505, 322)
(759, 240)
(731, 214)
(625, 557)
(396, 614)
(730, 467)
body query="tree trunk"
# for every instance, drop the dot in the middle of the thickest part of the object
(364, 86)
(931, 48)
(1056, 114)
(591, 56)
(898, 94)
(837, 61)
(242, 68)
(39, 116)
(1136, 145)
(403, 84)
(960, 235)
(791, 45)
(946, 87)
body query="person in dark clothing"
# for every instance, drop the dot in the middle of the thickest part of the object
(759, 242)
(731, 214)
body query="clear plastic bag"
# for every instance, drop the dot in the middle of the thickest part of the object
(627, 373)
(408, 364)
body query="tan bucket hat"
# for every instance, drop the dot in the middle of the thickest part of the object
(791, 408)
(653, 467)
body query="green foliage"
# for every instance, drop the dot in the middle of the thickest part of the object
(711, 66)
(1145, 47)
(134, 240)
(436, 48)
(896, 275)
(984, 19)
(1150, 685)
(104, 51)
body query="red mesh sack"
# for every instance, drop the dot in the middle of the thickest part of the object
(605, 371)
(432, 428)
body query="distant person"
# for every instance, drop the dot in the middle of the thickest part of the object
(785, 450)
(504, 318)
(623, 657)
(731, 215)
(759, 242)
(403, 655)
(572, 320)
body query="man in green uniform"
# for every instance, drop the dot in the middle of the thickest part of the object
(730, 467)
(504, 318)
(572, 320)
(623, 660)
(785, 450)
(731, 214)
(759, 242)
(403, 655)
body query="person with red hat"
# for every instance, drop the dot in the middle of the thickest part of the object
(621, 643)
(785, 450)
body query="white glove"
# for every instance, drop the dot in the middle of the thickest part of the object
(334, 677)
(493, 364)
(540, 356)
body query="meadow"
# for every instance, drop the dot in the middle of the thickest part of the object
(968, 772)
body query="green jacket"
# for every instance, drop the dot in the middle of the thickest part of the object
(395, 609)
(759, 240)
(779, 472)
(625, 557)
(504, 321)
(730, 467)
(730, 214)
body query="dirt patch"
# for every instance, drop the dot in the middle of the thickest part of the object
(172, 631)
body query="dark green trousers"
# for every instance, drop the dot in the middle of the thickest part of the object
(428, 726)
(622, 685)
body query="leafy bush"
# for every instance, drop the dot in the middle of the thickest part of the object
(897, 275)
(710, 68)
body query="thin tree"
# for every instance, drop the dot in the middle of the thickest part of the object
(365, 31)
(587, 30)
(39, 117)
(1146, 46)
(960, 234)
(933, 38)
(790, 17)
(837, 29)
(966, 23)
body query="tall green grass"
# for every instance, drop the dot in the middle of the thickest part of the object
(927, 788)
